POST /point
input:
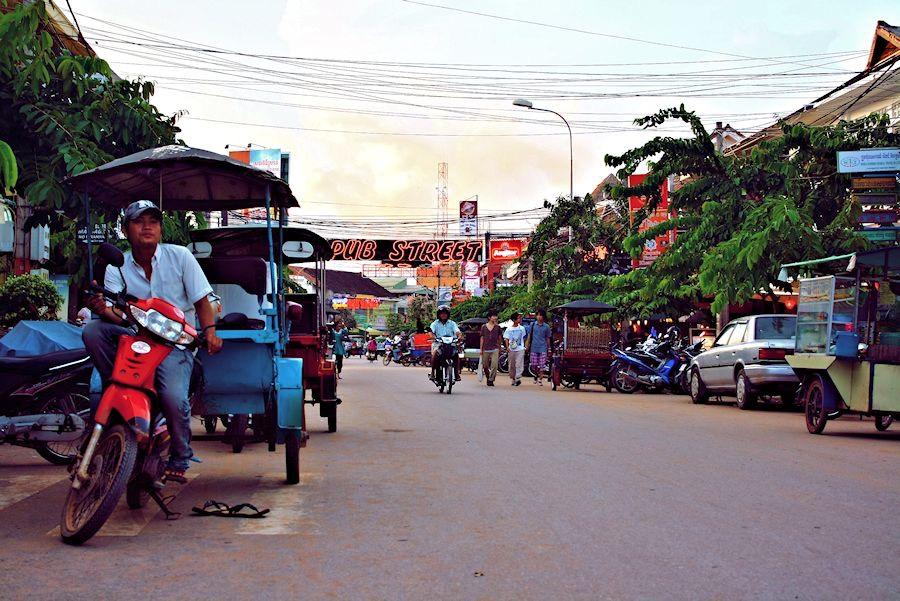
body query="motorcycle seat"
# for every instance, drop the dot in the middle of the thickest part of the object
(42, 363)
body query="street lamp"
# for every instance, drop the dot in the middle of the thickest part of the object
(528, 105)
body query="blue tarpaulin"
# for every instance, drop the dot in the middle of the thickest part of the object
(35, 338)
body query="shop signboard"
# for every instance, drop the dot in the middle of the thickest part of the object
(654, 247)
(878, 216)
(880, 234)
(505, 251)
(869, 160)
(468, 217)
(874, 183)
(406, 252)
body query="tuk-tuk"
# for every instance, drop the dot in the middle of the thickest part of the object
(581, 353)
(847, 350)
(305, 312)
(252, 374)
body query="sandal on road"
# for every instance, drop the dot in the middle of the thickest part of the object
(216, 508)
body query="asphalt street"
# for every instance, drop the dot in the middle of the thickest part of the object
(502, 493)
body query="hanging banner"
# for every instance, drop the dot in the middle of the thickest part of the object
(468, 217)
(406, 252)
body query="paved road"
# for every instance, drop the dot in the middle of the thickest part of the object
(496, 494)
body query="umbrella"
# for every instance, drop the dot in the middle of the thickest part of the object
(585, 306)
(181, 178)
(474, 321)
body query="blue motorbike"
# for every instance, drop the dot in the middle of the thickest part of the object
(634, 370)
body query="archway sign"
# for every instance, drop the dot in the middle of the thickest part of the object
(407, 252)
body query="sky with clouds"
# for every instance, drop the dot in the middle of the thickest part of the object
(417, 117)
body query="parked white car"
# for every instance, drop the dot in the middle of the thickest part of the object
(747, 361)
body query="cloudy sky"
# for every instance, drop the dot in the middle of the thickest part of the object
(369, 96)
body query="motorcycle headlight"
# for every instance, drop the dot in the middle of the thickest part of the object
(162, 326)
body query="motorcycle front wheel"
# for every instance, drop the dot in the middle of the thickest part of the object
(87, 508)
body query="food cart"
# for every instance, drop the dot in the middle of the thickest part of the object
(847, 351)
(581, 352)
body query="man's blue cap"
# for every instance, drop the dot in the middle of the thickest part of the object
(139, 207)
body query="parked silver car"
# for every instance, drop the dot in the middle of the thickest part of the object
(747, 361)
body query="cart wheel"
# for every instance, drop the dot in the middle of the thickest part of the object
(746, 398)
(814, 396)
(330, 411)
(209, 423)
(238, 428)
(292, 456)
(883, 422)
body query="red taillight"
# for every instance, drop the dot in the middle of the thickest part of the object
(772, 354)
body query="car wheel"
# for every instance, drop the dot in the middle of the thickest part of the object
(699, 394)
(746, 398)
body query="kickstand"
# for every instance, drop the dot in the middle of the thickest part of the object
(163, 503)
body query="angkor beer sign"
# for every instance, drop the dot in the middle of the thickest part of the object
(406, 252)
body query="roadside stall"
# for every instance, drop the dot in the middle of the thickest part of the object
(582, 353)
(847, 351)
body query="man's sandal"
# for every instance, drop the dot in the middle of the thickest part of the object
(174, 475)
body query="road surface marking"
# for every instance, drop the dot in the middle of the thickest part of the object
(15, 488)
(130, 522)
(288, 514)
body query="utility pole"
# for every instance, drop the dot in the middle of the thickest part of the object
(442, 201)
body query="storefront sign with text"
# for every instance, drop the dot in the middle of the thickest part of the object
(406, 252)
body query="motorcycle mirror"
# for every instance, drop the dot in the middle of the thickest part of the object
(110, 255)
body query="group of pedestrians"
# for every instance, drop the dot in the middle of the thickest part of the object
(516, 340)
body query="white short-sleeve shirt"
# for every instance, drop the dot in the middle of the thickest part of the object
(176, 277)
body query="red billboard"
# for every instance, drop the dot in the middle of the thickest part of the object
(506, 251)
(656, 246)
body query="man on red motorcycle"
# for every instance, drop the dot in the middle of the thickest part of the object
(169, 272)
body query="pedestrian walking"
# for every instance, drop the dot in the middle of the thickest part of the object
(515, 349)
(539, 342)
(490, 347)
(340, 336)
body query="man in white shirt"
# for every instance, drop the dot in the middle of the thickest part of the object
(515, 349)
(169, 272)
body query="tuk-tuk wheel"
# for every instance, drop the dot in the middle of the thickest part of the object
(329, 411)
(814, 397)
(883, 422)
(209, 423)
(292, 456)
(237, 429)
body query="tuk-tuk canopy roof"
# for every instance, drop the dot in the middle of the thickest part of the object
(180, 178)
(879, 257)
(252, 241)
(585, 306)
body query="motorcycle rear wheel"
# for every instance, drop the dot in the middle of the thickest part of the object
(63, 453)
(87, 509)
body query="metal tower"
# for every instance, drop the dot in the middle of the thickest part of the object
(442, 202)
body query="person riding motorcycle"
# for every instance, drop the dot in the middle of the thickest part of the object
(169, 272)
(440, 327)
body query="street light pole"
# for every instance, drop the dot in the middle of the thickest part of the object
(528, 104)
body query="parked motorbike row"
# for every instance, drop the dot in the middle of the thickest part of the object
(44, 402)
(655, 364)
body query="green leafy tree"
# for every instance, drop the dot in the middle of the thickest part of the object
(27, 297)
(63, 114)
(553, 257)
(421, 310)
(396, 323)
(739, 217)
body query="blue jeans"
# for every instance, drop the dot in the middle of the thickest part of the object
(173, 378)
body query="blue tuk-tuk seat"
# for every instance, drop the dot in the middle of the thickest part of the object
(238, 379)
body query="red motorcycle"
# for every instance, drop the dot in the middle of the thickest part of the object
(129, 442)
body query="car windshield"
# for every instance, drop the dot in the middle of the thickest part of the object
(776, 328)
